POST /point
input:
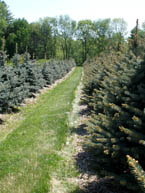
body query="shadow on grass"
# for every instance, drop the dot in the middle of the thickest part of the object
(15, 110)
(78, 191)
(102, 186)
(12, 110)
(85, 112)
(80, 130)
(1, 121)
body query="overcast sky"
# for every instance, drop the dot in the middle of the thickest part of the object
(32, 10)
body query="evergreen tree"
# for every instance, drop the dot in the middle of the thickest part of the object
(137, 171)
(3, 58)
(16, 59)
(114, 92)
(33, 75)
(23, 80)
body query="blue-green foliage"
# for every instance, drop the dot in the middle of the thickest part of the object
(16, 59)
(114, 91)
(23, 80)
(54, 70)
(3, 57)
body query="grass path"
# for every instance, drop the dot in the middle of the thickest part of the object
(30, 154)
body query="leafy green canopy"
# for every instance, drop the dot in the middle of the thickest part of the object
(5, 19)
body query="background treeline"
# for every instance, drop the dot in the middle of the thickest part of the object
(23, 80)
(63, 38)
(114, 91)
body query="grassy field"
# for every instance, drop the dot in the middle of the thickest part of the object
(30, 153)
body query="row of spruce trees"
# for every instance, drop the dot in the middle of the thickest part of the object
(21, 81)
(114, 91)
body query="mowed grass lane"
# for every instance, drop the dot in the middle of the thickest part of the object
(29, 154)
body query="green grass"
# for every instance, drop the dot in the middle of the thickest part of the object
(42, 61)
(30, 154)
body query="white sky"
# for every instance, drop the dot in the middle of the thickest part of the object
(32, 10)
